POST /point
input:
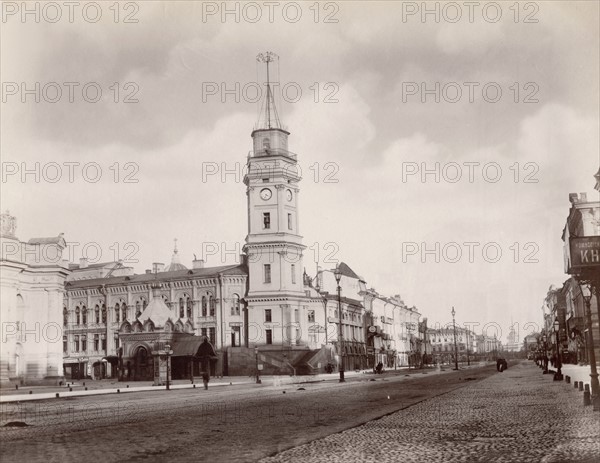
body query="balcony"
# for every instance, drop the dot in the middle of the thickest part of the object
(273, 152)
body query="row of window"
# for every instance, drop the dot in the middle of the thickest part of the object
(208, 308)
(446, 348)
(80, 343)
(267, 273)
(267, 221)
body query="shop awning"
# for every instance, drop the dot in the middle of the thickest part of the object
(186, 347)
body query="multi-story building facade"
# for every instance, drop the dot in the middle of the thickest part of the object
(206, 301)
(467, 344)
(32, 277)
(581, 237)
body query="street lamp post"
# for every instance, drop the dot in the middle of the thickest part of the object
(324, 295)
(338, 276)
(455, 346)
(258, 381)
(586, 292)
(545, 356)
(558, 375)
(168, 351)
(468, 360)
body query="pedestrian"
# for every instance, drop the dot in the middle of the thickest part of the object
(205, 379)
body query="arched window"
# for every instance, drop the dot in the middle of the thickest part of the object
(189, 306)
(97, 313)
(84, 315)
(65, 317)
(138, 312)
(181, 308)
(117, 313)
(204, 306)
(103, 313)
(77, 315)
(212, 305)
(235, 308)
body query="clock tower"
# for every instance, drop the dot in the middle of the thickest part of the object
(276, 299)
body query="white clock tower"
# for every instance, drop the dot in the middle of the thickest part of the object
(276, 299)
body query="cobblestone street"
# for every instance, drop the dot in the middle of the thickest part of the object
(520, 415)
(473, 414)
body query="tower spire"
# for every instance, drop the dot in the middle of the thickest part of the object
(270, 115)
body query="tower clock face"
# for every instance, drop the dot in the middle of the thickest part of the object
(265, 194)
(289, 195)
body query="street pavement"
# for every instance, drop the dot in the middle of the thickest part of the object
(519, 415)
(474, 414)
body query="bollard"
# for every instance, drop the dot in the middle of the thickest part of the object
(70, 389)
(587, 400)
(17, 387)
(580, 386)
(31, 392)
(86, 388)
(567, 379)
(118, 391)
(57, 395)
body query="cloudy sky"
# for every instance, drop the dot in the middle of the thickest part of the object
(507, 94)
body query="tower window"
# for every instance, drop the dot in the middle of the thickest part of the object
(289, 221)
(266, 220)
(265, 180)
(268, 317)
(267, 275)
(293, 274)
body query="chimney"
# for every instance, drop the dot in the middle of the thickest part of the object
(83, 262)
(583, 197)
(573, 198)
(148, 271)
(197, 263)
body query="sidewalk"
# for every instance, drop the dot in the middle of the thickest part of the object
(111, 386)
(576, 372)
